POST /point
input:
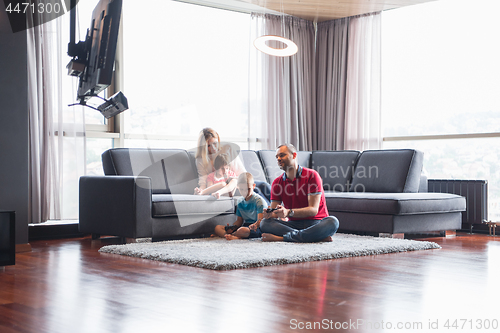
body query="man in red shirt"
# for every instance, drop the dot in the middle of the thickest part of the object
(297, 195)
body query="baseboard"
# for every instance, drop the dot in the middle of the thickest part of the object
(54, 230)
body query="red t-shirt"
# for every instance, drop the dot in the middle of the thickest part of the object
(294, 193)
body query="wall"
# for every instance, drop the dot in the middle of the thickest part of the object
(14, 144)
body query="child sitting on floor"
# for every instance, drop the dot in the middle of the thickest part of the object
(249, 212)
(220, 182)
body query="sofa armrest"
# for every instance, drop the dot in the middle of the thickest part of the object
(115, 205)
(424, 187)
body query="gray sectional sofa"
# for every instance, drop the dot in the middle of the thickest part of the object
(149, 193)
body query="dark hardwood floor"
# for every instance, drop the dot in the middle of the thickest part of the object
(65, 285)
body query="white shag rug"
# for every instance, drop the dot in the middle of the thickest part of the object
(220, 254)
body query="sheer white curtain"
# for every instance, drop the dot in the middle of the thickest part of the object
(362, 127)
(56, 132)
(282, 88)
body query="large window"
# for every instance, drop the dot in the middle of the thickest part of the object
(182, 67)
(98, 130)
(441, 78)
(70, 121)
(185, 67)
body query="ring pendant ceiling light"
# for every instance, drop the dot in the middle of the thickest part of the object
(290, 49)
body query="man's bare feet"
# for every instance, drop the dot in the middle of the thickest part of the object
(231, 237)
(271, 238)
(327, 239)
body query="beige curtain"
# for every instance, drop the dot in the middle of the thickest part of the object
(282, 88)
(349, 83)
(331, 51)
(327, 96)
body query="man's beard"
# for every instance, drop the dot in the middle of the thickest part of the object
(285, 166)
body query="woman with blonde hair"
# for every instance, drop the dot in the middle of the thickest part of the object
(209, 146)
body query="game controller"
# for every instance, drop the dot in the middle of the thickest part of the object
(230, 228)
(270, 210)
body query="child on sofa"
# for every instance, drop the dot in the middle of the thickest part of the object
(249, 212)
(220, 182)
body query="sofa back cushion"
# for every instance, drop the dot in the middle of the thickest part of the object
(388, 171)
(336, 168)
(252, 164)
(303, 157)
(268, 160)
(172, 171)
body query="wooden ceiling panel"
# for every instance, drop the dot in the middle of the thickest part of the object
(324, 10)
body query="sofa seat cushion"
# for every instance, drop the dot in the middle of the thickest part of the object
(394, 203)
(165, 205)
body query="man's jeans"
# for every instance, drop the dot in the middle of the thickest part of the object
(303, 231)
